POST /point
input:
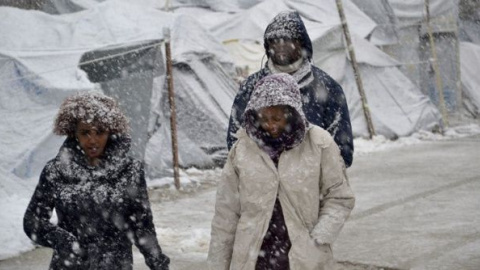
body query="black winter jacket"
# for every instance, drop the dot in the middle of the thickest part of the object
(101, 210)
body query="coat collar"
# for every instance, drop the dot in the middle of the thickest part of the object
(72, 164)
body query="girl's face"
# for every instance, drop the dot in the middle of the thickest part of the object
(92, 140)
(273, 120)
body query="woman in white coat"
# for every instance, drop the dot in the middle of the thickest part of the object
(284, 194)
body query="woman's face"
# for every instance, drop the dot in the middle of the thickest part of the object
(284, 51)
(92, 140)
(273, 120)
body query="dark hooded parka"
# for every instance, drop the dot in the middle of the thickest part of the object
(323, 98)
(282, 200)
(101, 210)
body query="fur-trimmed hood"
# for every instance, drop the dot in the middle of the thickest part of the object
(93, 108)
(72, 164)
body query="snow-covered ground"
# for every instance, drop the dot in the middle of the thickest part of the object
(15, 194)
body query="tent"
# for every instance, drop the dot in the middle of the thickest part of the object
(41, 68)
(414, 50)
(69, 6)
(469, 59)
(397, 106)
(385, 31)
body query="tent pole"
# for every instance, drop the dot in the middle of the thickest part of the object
(438, 78)
(458, 83)
(353, 60)
(167, 6)
(173, 115)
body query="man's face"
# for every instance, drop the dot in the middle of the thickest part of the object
(284, 51)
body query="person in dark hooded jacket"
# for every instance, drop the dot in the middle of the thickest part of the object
(97, 190)
(284, 194)
(289, 50)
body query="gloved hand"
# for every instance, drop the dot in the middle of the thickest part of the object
(161, 263)
(69, 250)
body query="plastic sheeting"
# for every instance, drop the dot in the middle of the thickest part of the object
(70, 6)
(412, 12)
(399, 108)
(381, 12)
(470, 69)
(39, 57)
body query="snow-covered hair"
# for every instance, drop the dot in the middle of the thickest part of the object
(93, 108)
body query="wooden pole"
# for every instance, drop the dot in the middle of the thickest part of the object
(167, 6)
(443, 109)
(356, 70)
(458, 83)
(171, 99)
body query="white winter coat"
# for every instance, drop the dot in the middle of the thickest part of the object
(312, 187)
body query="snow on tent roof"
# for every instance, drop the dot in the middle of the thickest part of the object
(442, 12)
(382, 14)
(251, 23)
(40, 54)
(327, 14)
(408, 109)
(70, 6)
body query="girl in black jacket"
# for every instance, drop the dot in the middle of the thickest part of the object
(99, 193)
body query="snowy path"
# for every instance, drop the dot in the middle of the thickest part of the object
(417, 208)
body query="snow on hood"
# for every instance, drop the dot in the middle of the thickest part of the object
(288, 25)
(273, 90)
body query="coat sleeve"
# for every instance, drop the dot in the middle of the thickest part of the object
(225, 220)
(340, 126)
(238, 107)
(337, 198)
(36, 221)
(334, 116)
(144, 234)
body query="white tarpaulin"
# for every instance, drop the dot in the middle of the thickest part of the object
(398, 107)
(469, 59)
(443, 14)
(40, 68)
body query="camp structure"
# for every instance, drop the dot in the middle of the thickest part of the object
(397, 105)
(115, 48)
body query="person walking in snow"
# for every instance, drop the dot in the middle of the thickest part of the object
(98, 191)
(284, 194)
(289, 50)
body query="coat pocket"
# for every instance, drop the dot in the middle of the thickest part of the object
(306, 254)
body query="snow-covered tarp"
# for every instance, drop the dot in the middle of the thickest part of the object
(469, 59)
(40, 56)
(443, 13)
(69, 6)
(380, 11)
(397, 105)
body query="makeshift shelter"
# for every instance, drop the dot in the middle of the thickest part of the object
(69, 6)
(469, 13)
(126, 74)
(397, 106)
(414, 50)
(469, 58)
(380, 11)
(35, 81)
